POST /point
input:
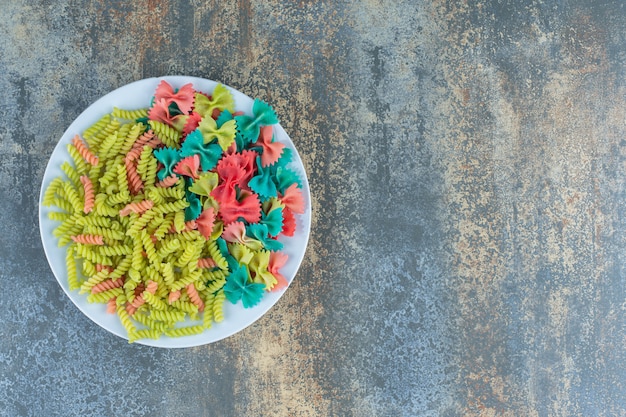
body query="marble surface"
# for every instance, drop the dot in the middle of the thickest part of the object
(467, 162)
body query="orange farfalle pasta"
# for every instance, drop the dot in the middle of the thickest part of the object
(106, 285)
(89, 194)
(82, 149)
(235, 232)
(160, 112)
(137, 207)
(194, 297)
(88, 239)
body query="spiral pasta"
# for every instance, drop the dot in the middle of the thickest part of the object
(184, 331)
(88, 239)
(136, 207)
(92, 130)
(130, 114)
(74, 180)
(87, 155)
(167, 134)
(135, 184)
(89, 194)
(218, 306)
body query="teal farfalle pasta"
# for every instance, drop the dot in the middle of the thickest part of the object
(167, 211)
(250, 126)
(238, 287)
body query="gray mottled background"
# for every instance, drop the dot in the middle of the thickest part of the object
(467, 161)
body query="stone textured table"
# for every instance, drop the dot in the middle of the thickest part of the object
(467, 163)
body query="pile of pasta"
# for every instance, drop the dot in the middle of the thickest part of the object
(170, 210)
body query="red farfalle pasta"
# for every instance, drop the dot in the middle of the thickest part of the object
(137, 207)
(89, 193)
(191, 123)
(271, 150)
(234, 170)
(188, 166)
(108, 284)
(293, 199)
(160, 112)
(184, 97)
(248, 207)
(289, 223)
(82, 149)
(88, 239)
(238, 167)
(205, 222)
(194, 297)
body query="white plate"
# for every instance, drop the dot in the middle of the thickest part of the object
(135, 96)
